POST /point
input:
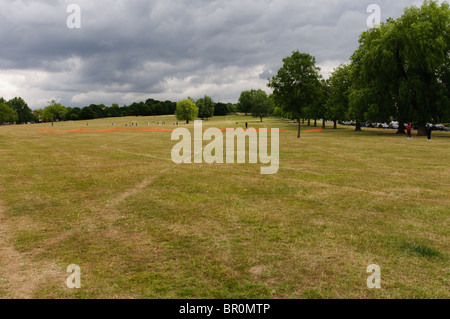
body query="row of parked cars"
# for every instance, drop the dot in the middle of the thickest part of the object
(395, 125)
(434, 127)
(440, 127)
(368, 124)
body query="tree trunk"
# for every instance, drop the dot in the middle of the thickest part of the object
(261, 119)
(299, 127)
(401, 123)
(422, 129)
(315, 123)
(309, 122)
(187, 122)
(324, 124)
(303, 121)
(358, 127)
(335, 124)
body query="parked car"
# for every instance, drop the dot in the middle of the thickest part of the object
(438, 127)
(383, 125)
(394, 125)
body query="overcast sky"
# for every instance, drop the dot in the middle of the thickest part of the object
(131, 50)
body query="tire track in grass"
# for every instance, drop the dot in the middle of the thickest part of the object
(20, 274)
(137, 188)
(107, 146)
(142, 185)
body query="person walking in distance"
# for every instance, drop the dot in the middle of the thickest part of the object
(429, 129)
(408, 131)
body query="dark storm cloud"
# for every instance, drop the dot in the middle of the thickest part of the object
(130, 49)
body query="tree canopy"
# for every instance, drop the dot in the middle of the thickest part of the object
(205, 107)
(7, 114)
(401, 68)
(54, 112)
(24, 113)
(297, 84)
(186, 110)
(337, 102)
(261, 105)
(245, 102)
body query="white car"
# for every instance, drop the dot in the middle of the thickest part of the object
(394, 125)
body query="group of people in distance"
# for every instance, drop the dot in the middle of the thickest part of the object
(408, 128)
(148, 123)
(409, 131)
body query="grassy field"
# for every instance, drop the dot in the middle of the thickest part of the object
(140, 226)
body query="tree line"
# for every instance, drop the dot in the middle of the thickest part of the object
(17, 110)
(204, 108)
(400, 72)
(254, 102)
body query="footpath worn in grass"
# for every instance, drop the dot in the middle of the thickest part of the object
(140, 226)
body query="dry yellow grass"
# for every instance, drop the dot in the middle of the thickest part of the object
(140, 226)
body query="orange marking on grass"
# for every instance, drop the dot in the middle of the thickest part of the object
(112, 130)
(152, 130)
(316, 130)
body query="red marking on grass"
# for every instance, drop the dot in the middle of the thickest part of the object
(112, 130)
(152, 130)
(316, 130)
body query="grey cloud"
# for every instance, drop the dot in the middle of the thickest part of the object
(137, 47)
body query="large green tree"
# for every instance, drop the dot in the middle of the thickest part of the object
(24, 113)
(7, 114)
(245, 102)
(261, 105)
(337, 103)
(322, 110)
(205, 107)
(317, 109)
(403, 67)
(425, 60)
(54, 112)
(186, 110)
(297, 84)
